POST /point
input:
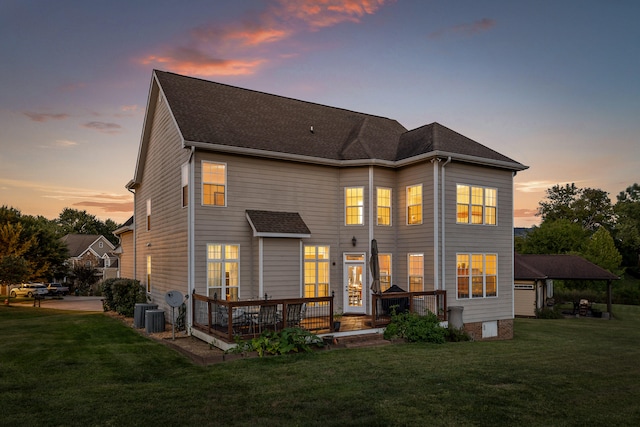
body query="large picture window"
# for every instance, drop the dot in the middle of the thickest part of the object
(383, 197)
(316, 271)
(476, 205)
(214, 184)
(477, 275)
(414, 204)
(223, 271)
(354, 205)
(416, 272)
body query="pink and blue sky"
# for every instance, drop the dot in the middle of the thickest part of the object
(552, 84)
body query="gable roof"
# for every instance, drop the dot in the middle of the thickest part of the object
(215, 116)
(277, 224)
(560, 267)
(78, 244)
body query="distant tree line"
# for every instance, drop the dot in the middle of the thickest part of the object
(30, 246)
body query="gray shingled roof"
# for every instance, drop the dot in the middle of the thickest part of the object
(277, 223)
(78, 243)
(559, 267)
(222, 115)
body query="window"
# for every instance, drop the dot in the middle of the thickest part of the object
(148, 273)
(185, 184)
(476, 205)
(214, 184)
(385, 271)
(148, 214)
(316, 271)
(414, 204)
(223, 271)
(100, 245)
(477, 275)
(354, 205)
(416, 272)
(383, 198)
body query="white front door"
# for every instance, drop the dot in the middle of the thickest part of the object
(355, 279)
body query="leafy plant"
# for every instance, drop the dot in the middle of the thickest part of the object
(415, 328)
(548, 313)
(288, 340)
(121, 295)
(456, 335)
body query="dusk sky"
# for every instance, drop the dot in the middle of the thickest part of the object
(554, 85)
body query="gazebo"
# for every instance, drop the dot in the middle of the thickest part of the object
(533, 272)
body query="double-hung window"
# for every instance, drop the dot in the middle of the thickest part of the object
(385, 271)
(214, 184)
(354, 205)
(477, 275)
(316, 271)
(223, 271)
(148, 214)
(149, 273)
(383, 197)
(416, 272)
(414, 204)
(476, 205)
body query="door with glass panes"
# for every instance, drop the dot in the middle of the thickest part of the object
(355, 279)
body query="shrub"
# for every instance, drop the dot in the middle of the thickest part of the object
(548, 313)
(456, 335)
(288, 340)
(415, 328)
(121, 295)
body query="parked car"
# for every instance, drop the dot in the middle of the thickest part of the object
(29, 290)
(57, 289)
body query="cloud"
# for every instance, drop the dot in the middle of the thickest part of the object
(103, 127)
(539, 186)
(238, 48)
(44, 117)
(524, 213)
(469, 29)
(64, 143)
(110, 207)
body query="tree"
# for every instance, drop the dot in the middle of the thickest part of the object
(627, 233)
(73, 221)
(553, 237)
(84, 278)
(14, 268)
(601, 250)
(588, 207)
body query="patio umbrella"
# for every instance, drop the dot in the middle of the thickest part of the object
(374, 265)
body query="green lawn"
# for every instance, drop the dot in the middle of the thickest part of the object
(69, 368)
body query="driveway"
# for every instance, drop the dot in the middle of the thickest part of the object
(69, 302)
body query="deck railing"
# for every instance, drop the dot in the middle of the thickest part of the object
(246, 319)
(416, 302)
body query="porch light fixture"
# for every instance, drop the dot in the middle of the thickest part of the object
(354, 241)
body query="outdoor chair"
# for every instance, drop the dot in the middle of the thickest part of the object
(295, 314)
(267, 316)
(238, 318)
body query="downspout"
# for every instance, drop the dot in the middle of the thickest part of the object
(436, 275)
(135, 235)
(191, 287)
(443, 217)
(371, 236)
(513, 296)
(260, 267)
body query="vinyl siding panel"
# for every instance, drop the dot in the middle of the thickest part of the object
(466, 238)
(166, 241)
(126, 257)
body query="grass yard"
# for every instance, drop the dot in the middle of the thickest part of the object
(69, 368)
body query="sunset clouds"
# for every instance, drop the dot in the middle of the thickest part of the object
(465, 29)
(45, 117)
(239, 48)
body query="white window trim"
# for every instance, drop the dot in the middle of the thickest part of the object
(226, 183)
(470, 204)
(223, 261)
(421, 204)
(390, 206)
(484, 275)
(346, 206)
(390, 269)
(409, 255)
(317, 262)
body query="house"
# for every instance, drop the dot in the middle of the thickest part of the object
(94, 251)
(534, 276)
(125, 250)
(240, 194)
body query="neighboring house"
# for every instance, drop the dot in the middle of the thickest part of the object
(534, 276)
(125, 250)
(240, 193)
(94, 251)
